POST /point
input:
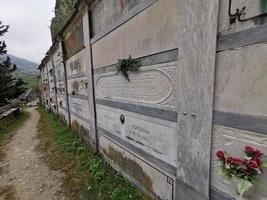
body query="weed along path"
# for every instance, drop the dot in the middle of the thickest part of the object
(23, 173)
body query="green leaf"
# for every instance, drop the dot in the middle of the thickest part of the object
(225, 173)
(264, 163)
(243, 186)
(248, 157)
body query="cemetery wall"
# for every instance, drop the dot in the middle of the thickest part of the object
(199, 89)
(240, 108)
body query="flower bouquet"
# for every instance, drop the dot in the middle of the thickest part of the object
(245, 171)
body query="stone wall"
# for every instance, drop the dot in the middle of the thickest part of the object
(241, 78)
(200, 88)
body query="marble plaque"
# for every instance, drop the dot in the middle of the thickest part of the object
(76, 64)
(154, 86)
(61, 101)
(60, 73)
(49, 66)
(61, 87)
(80, 107)
(156, 137)
(58, 57)
(108, 12)
(150, 178)
(78, 86)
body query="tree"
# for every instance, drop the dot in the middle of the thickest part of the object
(10, 87)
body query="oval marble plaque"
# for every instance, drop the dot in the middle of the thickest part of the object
(151, 86)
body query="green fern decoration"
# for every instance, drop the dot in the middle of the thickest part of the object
(128, 65)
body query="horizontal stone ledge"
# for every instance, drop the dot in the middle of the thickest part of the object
(82, 97)
(60, 79)
(63, 108)
(216, 194)
(63, 94)
(144, 110)
(81, 117)
(243, 38)
(80, 75)
(153, 59)
(257, 124)
(187, 192)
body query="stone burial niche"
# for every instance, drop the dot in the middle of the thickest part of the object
(78, 79)
(60, 80)
(136, 118)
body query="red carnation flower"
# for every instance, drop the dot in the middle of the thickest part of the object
(230, 160)
(253, 164)
(220, 155)
(250, 149)
(253, 151)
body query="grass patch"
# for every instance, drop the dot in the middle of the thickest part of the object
(30, 82)
(10, 124)
(88, 176)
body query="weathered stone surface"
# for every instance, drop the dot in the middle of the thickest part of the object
(156, 137)
(151, 85)
(50, 75)
(62, 101)
(59, 72)
(52, 85)
(76, 64)
(105, 13)
(58, 55)
(59, 75)
(61, 87)
(83, 128)
(241, 79)
(80, 107)
(141, 34)
(152, 180)
(45, 85)
(78, 86)
(90, 85)
(197, 47)
(253, 8)
(236, 40)
(233, 141)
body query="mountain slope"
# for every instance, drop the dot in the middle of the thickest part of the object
(23, 65)
(27, 70)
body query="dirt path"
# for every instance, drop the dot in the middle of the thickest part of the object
(23, 174)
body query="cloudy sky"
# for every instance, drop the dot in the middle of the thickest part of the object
(29, 20)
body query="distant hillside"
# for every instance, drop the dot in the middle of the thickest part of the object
(27, 70)
(23, 65)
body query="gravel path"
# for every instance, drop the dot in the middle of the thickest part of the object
(23, 174)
